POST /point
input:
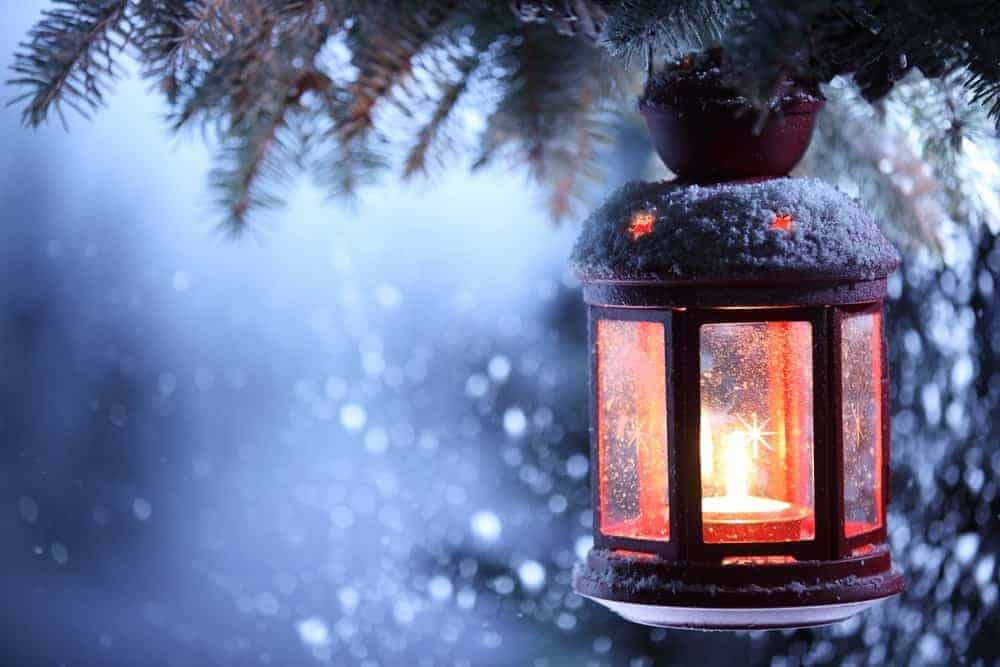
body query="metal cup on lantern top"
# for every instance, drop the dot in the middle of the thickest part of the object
(739, 388)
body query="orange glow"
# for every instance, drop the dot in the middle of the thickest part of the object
(638, 555)
(756, 471)
(758, 560)
(642, 224)
(861, 368)
(782, 222)
(632, 429)
(756, 431)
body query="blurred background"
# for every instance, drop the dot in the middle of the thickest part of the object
(359, 436)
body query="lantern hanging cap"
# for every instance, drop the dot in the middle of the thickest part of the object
(778, 229)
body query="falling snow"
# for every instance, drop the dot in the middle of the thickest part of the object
(142, 509)
(27, 508)
(486, 526)
(340, 450)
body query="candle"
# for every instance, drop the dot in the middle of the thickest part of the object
(739, 515)
(737, 479)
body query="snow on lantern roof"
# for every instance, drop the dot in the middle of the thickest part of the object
(784, 228)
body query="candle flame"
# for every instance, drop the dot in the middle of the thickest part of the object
(735, 454)
(738, 464)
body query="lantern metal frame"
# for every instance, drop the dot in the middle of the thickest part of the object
(832, 576)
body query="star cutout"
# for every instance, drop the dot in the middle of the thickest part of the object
(756, 434)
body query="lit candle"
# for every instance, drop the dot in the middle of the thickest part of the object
(737, 480)
(739, 515)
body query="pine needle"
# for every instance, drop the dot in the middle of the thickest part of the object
(416, 159)
(69, 56)
(354, 88)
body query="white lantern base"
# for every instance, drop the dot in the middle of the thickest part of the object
(720, 618)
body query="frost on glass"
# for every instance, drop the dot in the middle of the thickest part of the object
(756, 432)
(632, 429)
(861, 363)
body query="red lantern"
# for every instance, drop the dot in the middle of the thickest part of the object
(740, 422)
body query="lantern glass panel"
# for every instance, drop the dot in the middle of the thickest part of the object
(756, 432)
(861, 364)
(632, 429)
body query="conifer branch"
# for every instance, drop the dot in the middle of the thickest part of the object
(343, 72)
(672, 27)
(69, 55)
(257, 154)
(416, 159)
(384, 51)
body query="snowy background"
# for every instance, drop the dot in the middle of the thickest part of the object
(359, 437)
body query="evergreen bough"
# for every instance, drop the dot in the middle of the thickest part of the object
(353, 88)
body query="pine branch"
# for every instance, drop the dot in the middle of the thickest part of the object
(178, 32)
(260, 156)
(579, 160)
(69, 56)
(383, 51)
(344, 166)
(256, 157)
(416, 160)
(569, 17)
(983, 78)
(549, 116)
(900, 184)
(346, 78)
(673, 28)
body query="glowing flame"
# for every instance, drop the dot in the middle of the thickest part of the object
(737, 453)
(738, 471)
(782, 222)
(642, 224)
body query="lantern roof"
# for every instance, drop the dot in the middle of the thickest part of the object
(771, 230)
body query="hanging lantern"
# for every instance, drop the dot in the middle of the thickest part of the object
(740, 416)
(740, 423)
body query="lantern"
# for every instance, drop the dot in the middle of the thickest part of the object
(740, 416)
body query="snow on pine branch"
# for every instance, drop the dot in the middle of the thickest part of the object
(253, 71)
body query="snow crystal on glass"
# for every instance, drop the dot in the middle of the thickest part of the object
(631, 427)
(861, 415)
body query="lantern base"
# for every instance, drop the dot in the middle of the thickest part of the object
(709, 618)
(746, 595)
